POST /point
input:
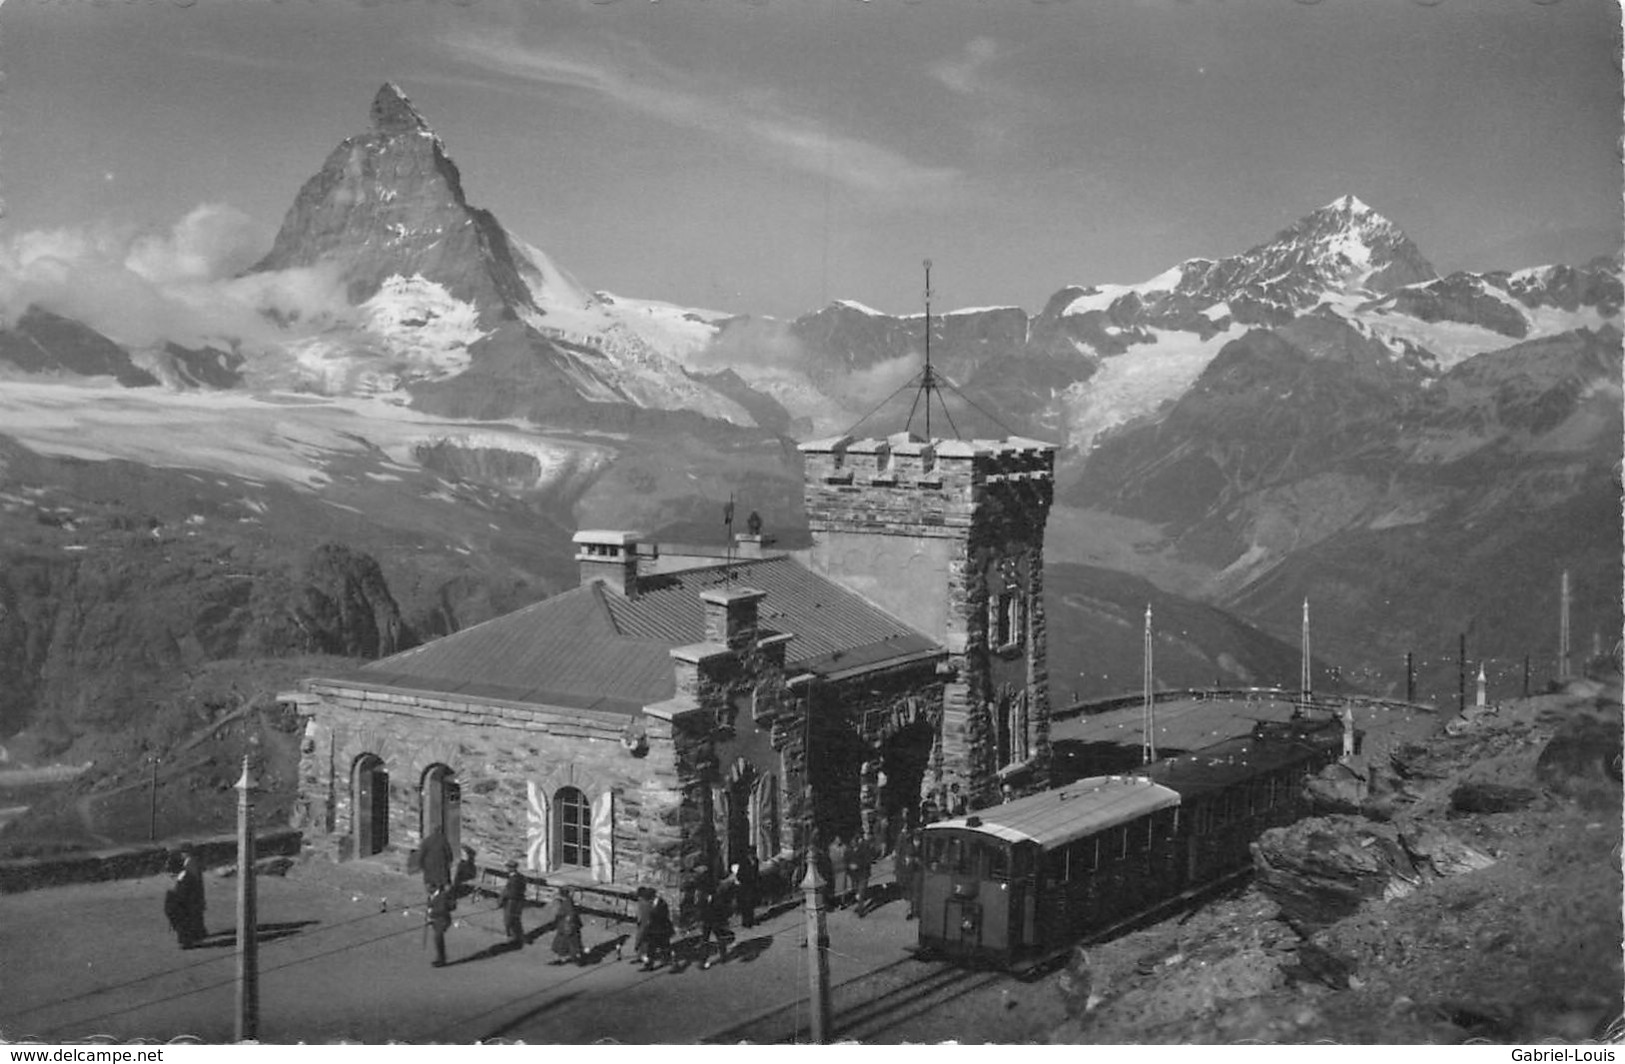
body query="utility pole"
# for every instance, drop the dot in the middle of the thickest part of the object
(1461, 675)
(248, 976)
(1305, 686)
(152, 808)
(1410, 677)
(1563, 633)
(812, 887)
(1148, 724)
(812, 884)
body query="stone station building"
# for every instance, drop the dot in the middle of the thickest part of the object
(666, 716)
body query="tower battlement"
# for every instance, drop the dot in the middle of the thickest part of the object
(908, 486)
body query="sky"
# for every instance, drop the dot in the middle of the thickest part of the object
(767, 156)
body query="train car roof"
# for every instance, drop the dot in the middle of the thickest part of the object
(1222, 764)
(1051, 818)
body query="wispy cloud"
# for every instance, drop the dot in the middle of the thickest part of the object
(630, 78)
(967, 73)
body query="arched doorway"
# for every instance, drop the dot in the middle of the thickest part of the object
(905, 756)
(442, 805)
(370, 805)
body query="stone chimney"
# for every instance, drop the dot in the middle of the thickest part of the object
(730, 615)
(611, 557)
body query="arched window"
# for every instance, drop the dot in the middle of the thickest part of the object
(575, 828)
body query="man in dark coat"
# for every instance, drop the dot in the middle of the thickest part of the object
(436, 858)
(748, 875)
(661, 932)
(441, 903)
(906, 863)
(859, 863)
(513, 905)
(716, 903)
(188, 904)
(645, 924)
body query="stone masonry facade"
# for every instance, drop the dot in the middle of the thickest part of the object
(982, 506)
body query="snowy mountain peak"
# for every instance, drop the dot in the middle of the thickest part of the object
(1348, 204)
(392, 112)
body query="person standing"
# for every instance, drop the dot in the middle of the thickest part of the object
(189, 900)
(860, 862)
(567, 930)
(441, 903)
(716, 903)
(749, 876)
(840, 878)
(906, 863)
(435, 856)
(661, 932)
(956, 801)
(513, 905)
(645, 926)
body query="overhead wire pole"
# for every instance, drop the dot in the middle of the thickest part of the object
(248, 975)
(1305, 687)
(1148, 738)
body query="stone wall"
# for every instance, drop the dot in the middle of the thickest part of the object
(973, 513)
(497, 751)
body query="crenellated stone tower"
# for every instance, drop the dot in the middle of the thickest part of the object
(948, 536)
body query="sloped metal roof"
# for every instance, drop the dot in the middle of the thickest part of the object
(1081, 808)
(589, 648)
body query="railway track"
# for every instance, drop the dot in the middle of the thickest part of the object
(880, 1005)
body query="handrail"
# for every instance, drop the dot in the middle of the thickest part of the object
(1089, 707)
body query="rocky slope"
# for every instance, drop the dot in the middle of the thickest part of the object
(1419, 917)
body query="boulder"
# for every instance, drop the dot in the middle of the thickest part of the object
(1322, 869)
(1337, 789)
(1436, 852)
(1490, 798)
(1582, 761)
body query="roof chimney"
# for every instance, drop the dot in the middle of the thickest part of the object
(611, 557)
(730, 615)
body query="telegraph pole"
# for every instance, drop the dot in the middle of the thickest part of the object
(248, 976)
(812, 884)
(1305, 687)
(152, 808)
(1563, 633)
(812, 887)
(1148, 740)
(1461, 675)
(1410, 677)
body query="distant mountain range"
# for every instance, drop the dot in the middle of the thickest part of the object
(1318, 416)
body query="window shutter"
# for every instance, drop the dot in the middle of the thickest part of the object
(538, 830)
(603, 837)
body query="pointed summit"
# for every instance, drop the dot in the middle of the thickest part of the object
(1348, 204)
(392, 112)
(389, 203)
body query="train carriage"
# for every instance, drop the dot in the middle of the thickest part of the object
(1015, 884)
